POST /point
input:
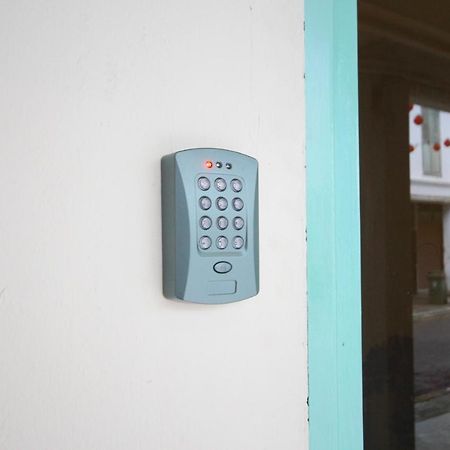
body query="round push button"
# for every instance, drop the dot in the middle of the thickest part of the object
(238, 204)
(238, 242)
(220, 184)
(221, 242)
(203, 183)
(236, 185)
(204, 242)
(238, 223)
(222, 267)
(205, 203)
(222, 222)
(222, 203)
(205, 223)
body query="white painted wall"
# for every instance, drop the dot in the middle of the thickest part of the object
(93, 93)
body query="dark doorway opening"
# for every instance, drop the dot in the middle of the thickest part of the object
(404, 63)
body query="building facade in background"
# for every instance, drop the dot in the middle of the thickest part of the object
(430, 191)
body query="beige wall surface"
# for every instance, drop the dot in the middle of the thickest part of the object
(93, 93)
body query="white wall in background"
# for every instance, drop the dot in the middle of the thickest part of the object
(427, 187)
(93, 93)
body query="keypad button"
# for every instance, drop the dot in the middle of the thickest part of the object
(204, 242)
(222, 203)
(238, 223)
(203, 183)
(221, 242)
(205, 222)
(236, 185)
(238, 204)
(222, 267)
(220, 184)
(238, 242)
(205, 202)
(222, 222)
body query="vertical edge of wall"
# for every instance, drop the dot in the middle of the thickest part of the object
(333, 226)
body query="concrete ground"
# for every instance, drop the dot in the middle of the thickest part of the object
(433, 434)
(431, 348)
(432, 376)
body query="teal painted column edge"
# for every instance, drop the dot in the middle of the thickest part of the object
(333, 226)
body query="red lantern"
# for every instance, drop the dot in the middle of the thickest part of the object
(418, 120)
(411, 148)
(447, 142)
(436, 147)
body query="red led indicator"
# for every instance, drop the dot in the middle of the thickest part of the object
(208, 164)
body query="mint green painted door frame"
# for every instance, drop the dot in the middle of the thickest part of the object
(334, 295)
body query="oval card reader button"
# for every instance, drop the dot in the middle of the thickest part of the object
(222, 267)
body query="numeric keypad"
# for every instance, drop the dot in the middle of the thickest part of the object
(221, 213)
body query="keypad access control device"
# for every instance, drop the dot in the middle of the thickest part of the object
(210, 225)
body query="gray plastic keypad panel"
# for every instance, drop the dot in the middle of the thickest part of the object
(221, 214)
(210, 226)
